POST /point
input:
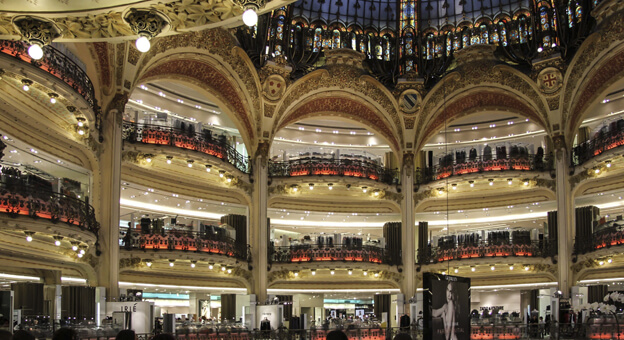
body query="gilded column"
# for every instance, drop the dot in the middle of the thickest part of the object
(259, 223)
(408, 245)
(110, 173)
(565, 216)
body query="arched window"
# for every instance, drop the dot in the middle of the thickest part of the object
(317, 40)
(545, 25)
(495, 36)
(456, 42)
(502, 31)
(449, 43)
(429, 47)
(353, 41)
(485, 34)
(335, 38)
(523, 30)
(465, 38)
(387, 48)
(578, 12)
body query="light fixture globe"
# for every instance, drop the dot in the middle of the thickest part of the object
(250, 17)
(143, 44)
(35, 51)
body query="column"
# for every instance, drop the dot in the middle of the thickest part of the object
(110, 172)
(565, 215)
(408, 241)
(259, 231)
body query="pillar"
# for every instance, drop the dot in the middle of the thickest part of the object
(259, 229)
(408, 241)
(565, 215)
(110, 181)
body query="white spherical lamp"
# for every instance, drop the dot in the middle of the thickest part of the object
(35, 51)
(250, 17)
(143, 44)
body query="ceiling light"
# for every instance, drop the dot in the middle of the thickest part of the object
(609, 260)
(189, 163)
(601, 262)
(491, 181)
(250, 17)
(454, 186)
(456, 270)
(365, 273)
(223, 268)
(332, 272)
(210, 266)
(364, 189)
(376, 193)
(53, 97)
(440, 191)
(471, 184)
(493, 267)
(509, 181)
(74, 245)
(148, 158)
(330, 186)
(608, 163)
(27, 83)
(148, 263)
(146, 23)
(208, 167)
(229, 270)
(221, 173)
(29, 235)
(472, 268)
(193, 264)
(143, 44)
(171, 263)
(311, 186)
(376, 274)
(526, 182)
(511, 267)
(169, 158)
(350, 272)
(57, 240)
(597, 170)
(313, 271)
(296, 273)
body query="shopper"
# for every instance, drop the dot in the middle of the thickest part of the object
(126, 334)
(163, 336)
(336, 335)
(65, 333)
(23, 335)
(403, 336)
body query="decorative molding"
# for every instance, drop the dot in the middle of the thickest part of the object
(132, 262)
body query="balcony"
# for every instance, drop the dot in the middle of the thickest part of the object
(605, 140)
(59, 65)
(184, 241)
(179, 138)
(334, 167)
(606, 235)
(527, 162)
(20, 196)
(338, 252)
(482, 250)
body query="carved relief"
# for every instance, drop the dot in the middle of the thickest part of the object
(133, 55)
(132, 262)
(549, 80)
(274, 87)
(269, 110)
(409, 122)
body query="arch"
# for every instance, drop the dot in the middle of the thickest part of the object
(207, 79)
(479, 99)
(339, 104)
(606, 71)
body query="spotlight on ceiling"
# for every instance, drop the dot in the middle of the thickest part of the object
(146, 23)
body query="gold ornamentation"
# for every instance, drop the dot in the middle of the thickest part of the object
(131, 262)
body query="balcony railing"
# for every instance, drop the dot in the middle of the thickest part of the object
(204, 143)
(480, 164)
(482, 250)
(338, 252)
(60, 66)
(336, 167)
(594, 147)
(18, 198)
(606, 238)
(186, 241)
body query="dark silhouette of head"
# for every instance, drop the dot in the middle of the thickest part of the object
(65, 334)
(336, 335)
(23, 335)
(403, 336)
(164, 336)
(126, 334)
(5, 335)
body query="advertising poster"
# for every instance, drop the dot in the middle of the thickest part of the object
(446, 307)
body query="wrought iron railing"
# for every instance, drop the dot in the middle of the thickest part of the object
(587, 150)
(60, 66)
(186, 241)
(17, 198)
(480, 164)
(482, 250)
(334, 167)
(337, 252)
(204, 143)
(599, 240)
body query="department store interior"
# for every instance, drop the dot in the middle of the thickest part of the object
(168, 167)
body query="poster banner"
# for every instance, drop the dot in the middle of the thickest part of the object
(446, 307)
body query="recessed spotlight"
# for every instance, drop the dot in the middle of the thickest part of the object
(471, 184)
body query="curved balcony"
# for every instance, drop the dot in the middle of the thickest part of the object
(59, 65)
(334, 167)
(185, 241)
(605, 140)
(20, 198)
(338, 252)
(482, 250)
(528, 162)
(179, 138)
(612, 235)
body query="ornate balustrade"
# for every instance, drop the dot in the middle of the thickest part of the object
(177, 240)
(338, 252)
(585, 151)
(528, 162)
(60, 66)
(482, 250)
(18, 198)
(339, 167)
(207, 144)
(600, 240)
